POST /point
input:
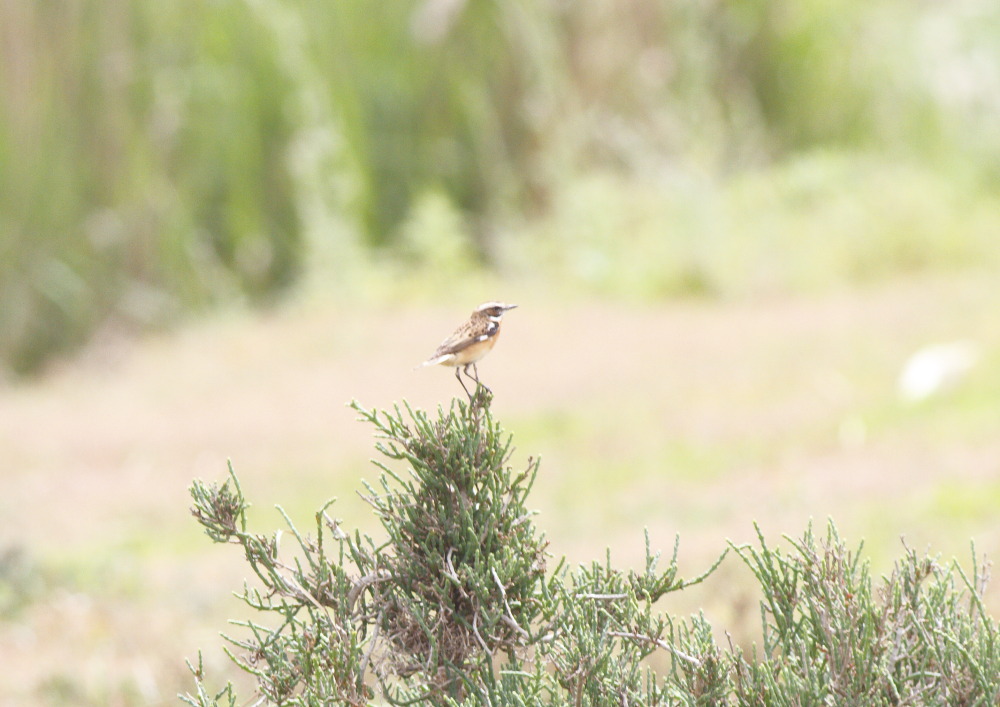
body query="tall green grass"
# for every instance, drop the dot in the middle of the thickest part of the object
(158, 157)
(143, 163)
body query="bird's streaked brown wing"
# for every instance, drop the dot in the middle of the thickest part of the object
(465, 336)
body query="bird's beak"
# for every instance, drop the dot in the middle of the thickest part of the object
(509, 306)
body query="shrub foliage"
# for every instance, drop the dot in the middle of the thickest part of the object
(457, 604)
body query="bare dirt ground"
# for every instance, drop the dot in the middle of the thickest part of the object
(696, 418)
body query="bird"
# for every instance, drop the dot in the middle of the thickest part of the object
(470, 342)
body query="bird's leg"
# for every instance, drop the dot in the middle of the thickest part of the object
(475, 377)
(458, 374)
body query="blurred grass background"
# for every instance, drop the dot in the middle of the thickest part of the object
(774, 202)
(158, 158)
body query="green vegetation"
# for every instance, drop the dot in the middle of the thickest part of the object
(162, 159)
(156, 158)
(457, 606)
(813, 222)
(144, 164)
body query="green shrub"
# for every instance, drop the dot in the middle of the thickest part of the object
(456, 605)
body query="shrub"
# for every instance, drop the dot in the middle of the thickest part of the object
(456, 605)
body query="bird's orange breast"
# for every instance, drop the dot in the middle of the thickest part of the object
(471, 354)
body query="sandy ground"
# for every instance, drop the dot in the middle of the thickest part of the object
(695, 418)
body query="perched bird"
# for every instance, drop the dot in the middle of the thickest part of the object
(471, 342)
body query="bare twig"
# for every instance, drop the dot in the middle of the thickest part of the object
(373, 641)
(659, 643)
(509, 617)
(361, 584)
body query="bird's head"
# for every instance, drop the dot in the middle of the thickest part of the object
(493, 311)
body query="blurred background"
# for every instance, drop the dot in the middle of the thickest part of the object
(756, 248)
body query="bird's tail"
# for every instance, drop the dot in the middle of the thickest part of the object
(433, 361)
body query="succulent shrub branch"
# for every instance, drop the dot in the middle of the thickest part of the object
(460, 603)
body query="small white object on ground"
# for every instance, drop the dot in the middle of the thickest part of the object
(935, 369)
